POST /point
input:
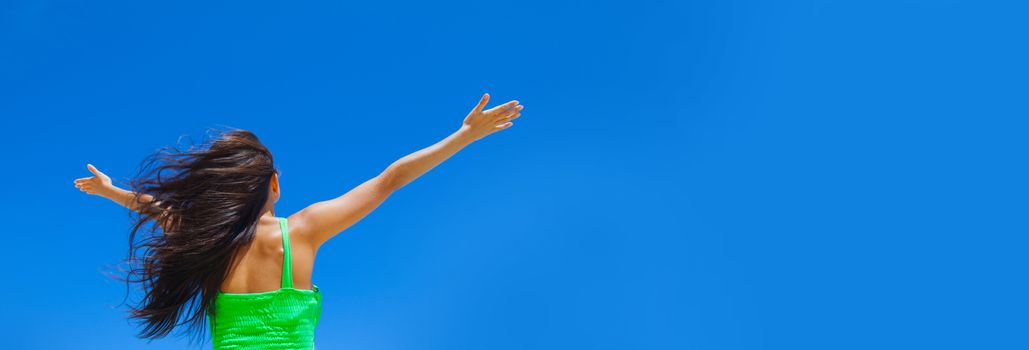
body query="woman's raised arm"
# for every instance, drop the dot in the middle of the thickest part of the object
(100, 184)
(321, 221)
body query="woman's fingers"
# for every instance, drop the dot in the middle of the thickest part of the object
(88, 188)
(482, 102)
(503, 107)
(508, 118)
(85, 184)
(510, 112)
(503, 126)
(505, 119)
(93, 170)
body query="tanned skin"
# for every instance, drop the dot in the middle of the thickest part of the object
(257, 268)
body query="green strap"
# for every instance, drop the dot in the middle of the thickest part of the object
(287, 261)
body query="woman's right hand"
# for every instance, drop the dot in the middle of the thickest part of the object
(480, 123)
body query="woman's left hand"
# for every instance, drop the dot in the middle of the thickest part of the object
(98, 184)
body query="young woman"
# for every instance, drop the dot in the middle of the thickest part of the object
(213, 250)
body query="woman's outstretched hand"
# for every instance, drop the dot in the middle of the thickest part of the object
(480, 123)
(98, 184)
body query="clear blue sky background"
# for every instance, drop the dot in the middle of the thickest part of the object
(686, 175)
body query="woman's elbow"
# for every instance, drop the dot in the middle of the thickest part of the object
(390, 179)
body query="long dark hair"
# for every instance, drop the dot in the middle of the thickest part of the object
(207, 201)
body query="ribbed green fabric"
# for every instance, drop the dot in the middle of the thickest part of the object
(280, 319)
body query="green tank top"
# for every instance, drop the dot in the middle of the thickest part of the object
(279, 319)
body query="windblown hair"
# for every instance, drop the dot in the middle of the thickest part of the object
(207, 201)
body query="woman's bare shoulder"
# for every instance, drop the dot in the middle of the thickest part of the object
(299, 230)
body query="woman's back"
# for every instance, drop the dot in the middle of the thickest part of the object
(256, 267)
(281, 318)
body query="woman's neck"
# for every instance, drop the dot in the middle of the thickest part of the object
(269, 214)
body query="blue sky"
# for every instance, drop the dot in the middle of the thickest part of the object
(686, 174)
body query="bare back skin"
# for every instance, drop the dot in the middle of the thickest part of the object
(257, 268)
